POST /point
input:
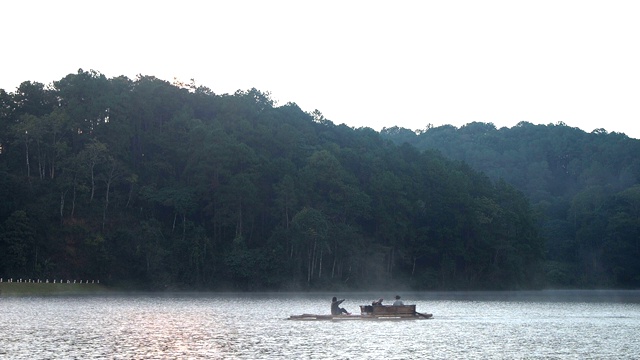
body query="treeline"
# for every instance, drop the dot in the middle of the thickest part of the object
(162, 185)
(584, 188)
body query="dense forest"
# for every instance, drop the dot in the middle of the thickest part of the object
(584, 189)
(159, 185)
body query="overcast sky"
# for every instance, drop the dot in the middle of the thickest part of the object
(362, 63)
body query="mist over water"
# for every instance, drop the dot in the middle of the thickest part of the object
(471, 325)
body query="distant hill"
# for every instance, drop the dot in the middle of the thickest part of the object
(583, 186)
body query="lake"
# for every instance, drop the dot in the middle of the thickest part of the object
(466, 325)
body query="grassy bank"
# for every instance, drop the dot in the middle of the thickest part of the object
(21, 289)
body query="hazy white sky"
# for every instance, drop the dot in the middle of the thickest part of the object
(362, 63)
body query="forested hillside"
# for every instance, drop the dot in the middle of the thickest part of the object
(584, 188)
(161, 185)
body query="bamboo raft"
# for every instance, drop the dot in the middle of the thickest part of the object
(371, 312)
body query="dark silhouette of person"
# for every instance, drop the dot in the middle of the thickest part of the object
(335, 307)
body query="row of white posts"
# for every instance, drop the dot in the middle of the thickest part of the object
(52, 282)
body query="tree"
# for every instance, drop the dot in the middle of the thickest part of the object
(17, 246)
(310, 230)
(285, 198)
(94, 153)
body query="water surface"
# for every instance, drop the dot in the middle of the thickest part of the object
(506, 325)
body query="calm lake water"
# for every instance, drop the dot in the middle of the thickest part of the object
(505, 325)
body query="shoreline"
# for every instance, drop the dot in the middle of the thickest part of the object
(33, 288)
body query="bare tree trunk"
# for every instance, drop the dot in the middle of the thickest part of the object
(291, 253)
(320, 268)
(239, 221)
(110, 178)
(26, 146)
(130, 194)
(52, 169)
(62, 194)
(175, 218)
(286, 217)
(52, 165)
(73, 202)
(309, 261)
(308, 266)
(93, 183)
(333, 267)
(41, 162)
(184, 225)
(413, 269)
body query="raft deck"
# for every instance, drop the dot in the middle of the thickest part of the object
(371, 312)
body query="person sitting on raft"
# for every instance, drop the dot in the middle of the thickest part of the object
(378, 302)
(335, 307)
(398, 302)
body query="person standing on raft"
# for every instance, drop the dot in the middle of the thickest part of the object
(335, 307)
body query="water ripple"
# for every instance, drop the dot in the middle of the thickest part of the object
(228, 326)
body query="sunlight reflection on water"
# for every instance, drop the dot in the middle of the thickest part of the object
(222, 326)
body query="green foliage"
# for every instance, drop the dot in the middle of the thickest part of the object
(172, 186)
(17, 245)
(582, 187)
